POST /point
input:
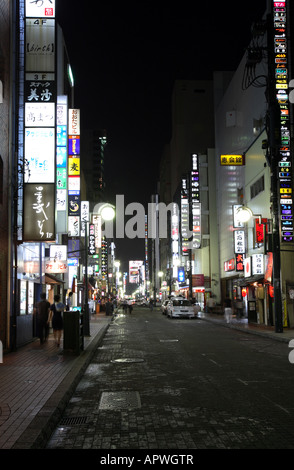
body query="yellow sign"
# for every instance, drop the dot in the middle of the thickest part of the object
(285, 190)
(232, 160)
(73, 166)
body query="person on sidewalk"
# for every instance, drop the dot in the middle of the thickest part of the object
(56, 311)
(41, 312)
(109, 307)
(228, 310)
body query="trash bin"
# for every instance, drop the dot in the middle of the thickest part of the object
(73, 334)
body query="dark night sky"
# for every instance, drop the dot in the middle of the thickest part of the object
(125, 57)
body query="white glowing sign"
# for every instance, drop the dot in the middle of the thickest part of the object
(40, 45)
(73, 226)
(58, 252)
(74, 122)
(40, 8)
(39, 155)
(39, 114)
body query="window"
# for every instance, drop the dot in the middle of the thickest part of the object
(257, 187)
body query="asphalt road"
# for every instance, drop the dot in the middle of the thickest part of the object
(159, 383)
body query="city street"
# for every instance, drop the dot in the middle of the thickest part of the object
(159, 383)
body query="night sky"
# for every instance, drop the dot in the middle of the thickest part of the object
(125, 57)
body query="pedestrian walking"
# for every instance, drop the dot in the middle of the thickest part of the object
(109, 307)
(69, 301)
(151, 304)
(125, 306)
(41, 312)
(228, 310)
(130, 306)
(56, 311)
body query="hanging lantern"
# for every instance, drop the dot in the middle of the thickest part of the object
(244, 291)
(271, 291)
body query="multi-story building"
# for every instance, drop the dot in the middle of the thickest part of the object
(244, 166)
(93, 146)
(35, 95)
(6, 155)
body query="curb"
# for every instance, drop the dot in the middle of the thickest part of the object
(249, 331)
(40, 429)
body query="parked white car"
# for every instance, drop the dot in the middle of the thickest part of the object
(164, 307)
(179, 307)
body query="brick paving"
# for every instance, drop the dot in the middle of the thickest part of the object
(37, 382)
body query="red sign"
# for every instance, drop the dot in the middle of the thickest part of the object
(240, 262)
(259, 230)
(229, 265)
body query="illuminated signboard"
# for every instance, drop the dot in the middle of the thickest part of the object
(73, 226)
(40, 9)
(181, 274)
(85, 216)
(185, 218)
(55, 267)
(39, 114)
(74, 122)
(257, 264)
(232, 160)
(73, 165)
(39, 212)
(281, 53)
(195, 201)
(91, 247)
(74, 145)
(134, 271)
(40, 155)
(40, 45)
(239, 241)
(58, 252)
(240, 262)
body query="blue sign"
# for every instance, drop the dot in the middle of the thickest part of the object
(181, 274)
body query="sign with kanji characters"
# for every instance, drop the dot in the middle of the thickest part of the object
(260, 230)
(239, 241)
(39, 213)
(40, 8)
(240, 262)
(73, 166)
(257, 264)
(232, 160)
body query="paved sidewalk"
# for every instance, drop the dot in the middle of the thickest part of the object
(36, 382)
(251, 328)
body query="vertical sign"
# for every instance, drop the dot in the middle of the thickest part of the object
(74, 171)
(39, 121)
(185, 218)
(195, 201)
(61, 154)
(281, 55)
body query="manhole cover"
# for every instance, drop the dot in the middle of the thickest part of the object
(119, 400)
(127, 360)
(73, 421)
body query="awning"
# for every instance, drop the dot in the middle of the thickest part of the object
(50, 279)
(244, 281)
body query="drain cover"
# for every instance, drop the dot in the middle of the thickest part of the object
(127, 360)
(73, 421)
(119, 400)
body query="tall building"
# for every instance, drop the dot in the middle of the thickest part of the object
(93, 151)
